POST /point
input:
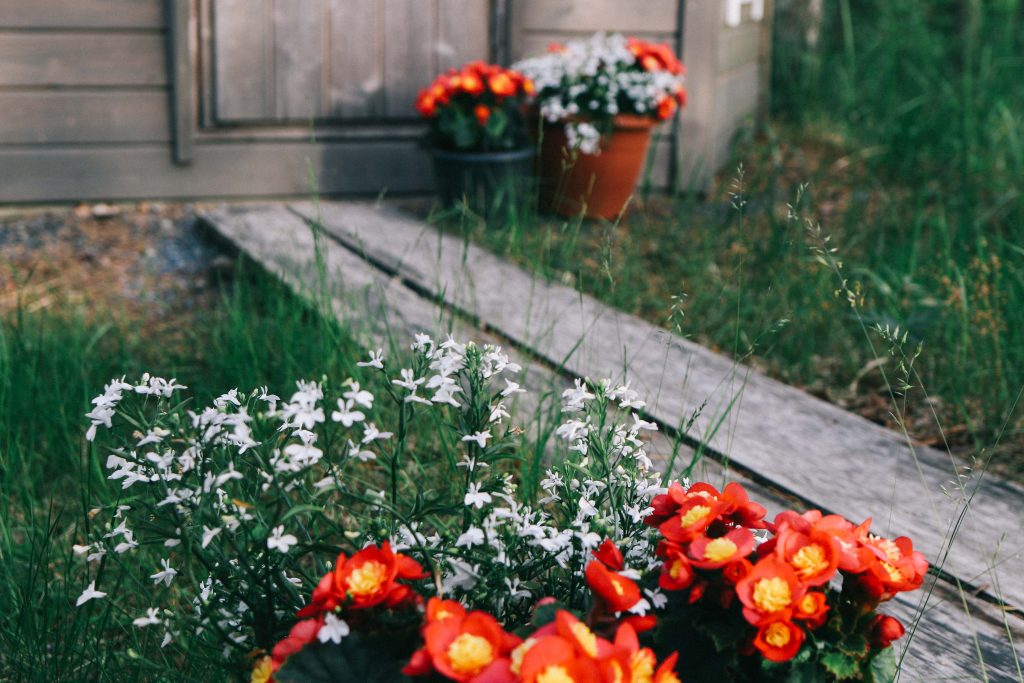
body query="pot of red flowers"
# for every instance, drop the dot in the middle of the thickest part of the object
(478, 136)
(599, 100)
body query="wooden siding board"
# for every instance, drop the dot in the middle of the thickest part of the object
(70, 117)
(82, 14)
(243, 60)
(82, 59)
(801, 444)
(356, 67)
(298, 58)
(409, 61)
(598, 15)
(31, 174)
(695, 150)
(463, 29)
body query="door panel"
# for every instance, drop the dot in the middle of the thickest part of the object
(278, 61)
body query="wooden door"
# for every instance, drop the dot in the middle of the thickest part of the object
(279, 61)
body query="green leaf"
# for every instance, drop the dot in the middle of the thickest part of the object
(300, 510)
(882, 667)
(496, 124)
(806, 672)
(545, 614)
(367, 660)
(723, 633)
(842, 666)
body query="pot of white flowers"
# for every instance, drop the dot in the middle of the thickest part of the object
(599, 99)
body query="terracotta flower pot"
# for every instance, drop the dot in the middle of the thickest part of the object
(596, 185)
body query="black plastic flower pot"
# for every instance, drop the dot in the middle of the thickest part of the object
(490, 183)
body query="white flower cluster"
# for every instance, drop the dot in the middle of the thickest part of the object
(594, 79)
(223, 503)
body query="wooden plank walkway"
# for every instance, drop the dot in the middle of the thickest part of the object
(961, 636)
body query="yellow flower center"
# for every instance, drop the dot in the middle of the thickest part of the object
(585, 637)
(367, 578)
(772, 595)
(642, 665)
(518, 653)
(887, 546)
(777, 635)
(616, 671)
(809, 560)
(694, 515)
(469, 654)
(442, 614)
(555, 674)
(676, 569)
(719, 550)
(263, 671)
(808, 605)
(895, 575)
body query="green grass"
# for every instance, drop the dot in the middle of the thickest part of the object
(51, 365)
(907, 123)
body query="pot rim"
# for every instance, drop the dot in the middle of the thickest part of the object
(619, 121)
(508, 155)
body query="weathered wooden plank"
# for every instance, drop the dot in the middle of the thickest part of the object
(92, 14)
(832, 459)
(409, 62)
(89, 116)
(955, 633)
(356, 67)
(298, 58)
(29, 174)
(463, 30)
(243, 60)
(181, 27)
(597, 15)
(78, 59)
(374, 307)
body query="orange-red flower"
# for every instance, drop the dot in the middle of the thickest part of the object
(368, 577)
(713, 553)
(770, 591)
(884, 630)
(467, 647)
(814, 554)
(812, 609)
(302, 633)
(617, 591)
(610, 555)
(779, 640)
(692, 518)
(482, 113)
(501, 84)
(655, 57)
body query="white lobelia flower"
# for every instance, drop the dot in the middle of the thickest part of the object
(371, 433)
(90, 593)
(376, 360)
(333, 630)
(476, 497)
(150, 619)
(278, 540)
(346, 413)
(208, 535)
(473, 536)
(481, 438)
(511, 388)
(409, 380)
(357, 395)
(167, 640)
(165, 575)
(498, 413)
(639, 423)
